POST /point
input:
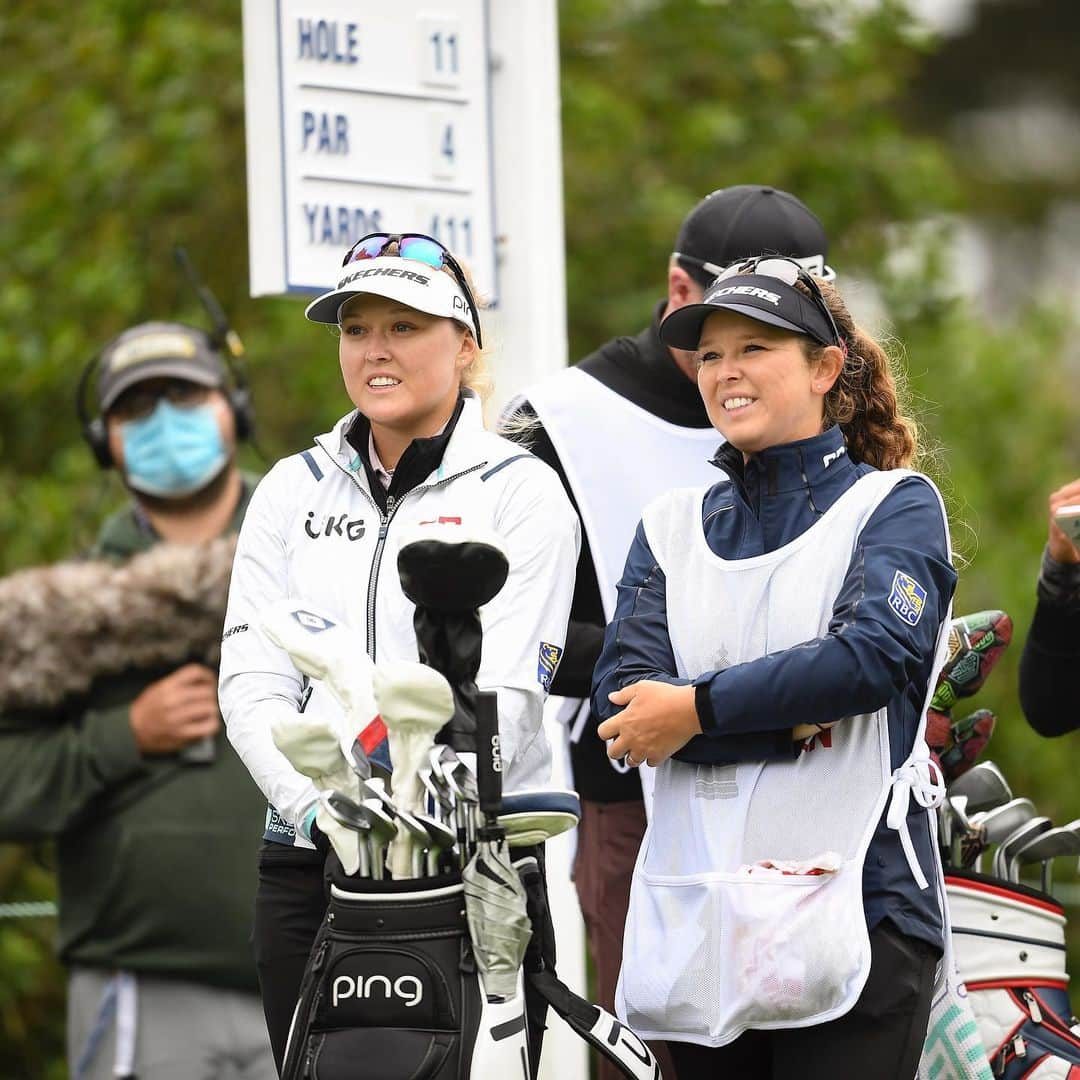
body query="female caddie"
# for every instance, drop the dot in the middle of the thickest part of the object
(323, 527)
(771, 654)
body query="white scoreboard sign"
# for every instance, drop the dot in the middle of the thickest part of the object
(366, 116)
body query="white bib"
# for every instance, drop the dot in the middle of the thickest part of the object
(617, 457)
(711, 947)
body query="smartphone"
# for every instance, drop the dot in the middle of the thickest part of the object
(200, 752)
(1067, 519)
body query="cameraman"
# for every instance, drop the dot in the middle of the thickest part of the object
(153, 815)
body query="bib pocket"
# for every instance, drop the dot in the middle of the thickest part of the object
(708, 956)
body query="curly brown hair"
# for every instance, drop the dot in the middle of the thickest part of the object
(868, 399)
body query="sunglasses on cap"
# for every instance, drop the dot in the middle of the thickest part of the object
(814, 264)
(425, 249)
(789, 271)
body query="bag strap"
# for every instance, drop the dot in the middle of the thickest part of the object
(598, 1027)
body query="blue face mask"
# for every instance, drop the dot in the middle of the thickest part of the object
(173, 452)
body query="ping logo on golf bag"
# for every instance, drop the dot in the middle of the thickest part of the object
(547, 663)
(496, 754)
(907, 598)
(310, 621)
(408, 988)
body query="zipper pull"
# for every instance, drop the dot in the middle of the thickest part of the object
(1032, 1003)
(1019, 1047)
(320, 957)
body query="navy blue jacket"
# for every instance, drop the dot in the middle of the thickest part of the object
(870, 658)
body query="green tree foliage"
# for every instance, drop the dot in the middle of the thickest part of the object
(123, 134)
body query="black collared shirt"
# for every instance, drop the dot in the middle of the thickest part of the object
(642, 370)
(421, 458)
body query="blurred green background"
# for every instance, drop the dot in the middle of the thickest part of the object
(942, 156)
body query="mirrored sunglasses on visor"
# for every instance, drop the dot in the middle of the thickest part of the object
(789, 271)
(425, 249)
(746, 288)
(814, 264)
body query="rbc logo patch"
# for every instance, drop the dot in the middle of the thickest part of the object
(547, 663)
(312, 622)
(907, 598)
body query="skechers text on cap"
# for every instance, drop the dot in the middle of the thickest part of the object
(758, 297)
(409, 282)
(746, 220)
(157, 350)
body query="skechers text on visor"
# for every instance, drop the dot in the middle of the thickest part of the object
(757, 296)
(409, 282)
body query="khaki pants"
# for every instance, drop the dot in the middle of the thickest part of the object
(608, 838)
(183, 1030)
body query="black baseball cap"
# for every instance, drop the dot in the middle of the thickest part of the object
(157, 350)
(740, 222)
(757, 296)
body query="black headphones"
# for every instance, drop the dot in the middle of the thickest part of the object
(238, 395)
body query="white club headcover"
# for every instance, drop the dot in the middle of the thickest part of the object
(345, 841)
(415, 701)
(327, 650)
(313, 748)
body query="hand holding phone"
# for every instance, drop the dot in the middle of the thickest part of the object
(1067, 519)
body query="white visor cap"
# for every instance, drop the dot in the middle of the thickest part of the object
(409, 282)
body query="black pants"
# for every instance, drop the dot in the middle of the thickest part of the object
(880, 1039)
(290, 903)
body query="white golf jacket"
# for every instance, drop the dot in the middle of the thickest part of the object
(314, 533)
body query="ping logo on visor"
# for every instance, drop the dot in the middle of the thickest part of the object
(548, 662)
(907, 598)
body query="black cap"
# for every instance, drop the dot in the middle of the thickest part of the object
(746, 220)
(757, 296)
(157, 350)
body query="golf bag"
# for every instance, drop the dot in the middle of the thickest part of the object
(424, 975)
(391, 988)
(1010, 950)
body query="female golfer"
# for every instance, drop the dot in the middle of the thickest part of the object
(323, 527)
(771, 655)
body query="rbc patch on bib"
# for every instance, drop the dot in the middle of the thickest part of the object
(547, 663)
(907, 598)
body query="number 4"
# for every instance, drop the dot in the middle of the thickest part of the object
(443, 145)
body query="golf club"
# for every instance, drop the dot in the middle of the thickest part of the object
(983, 786)
(1044, 849)
(1016, 840)
(992, 826)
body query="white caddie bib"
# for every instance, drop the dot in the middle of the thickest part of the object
(714, 945)
(617, 457)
